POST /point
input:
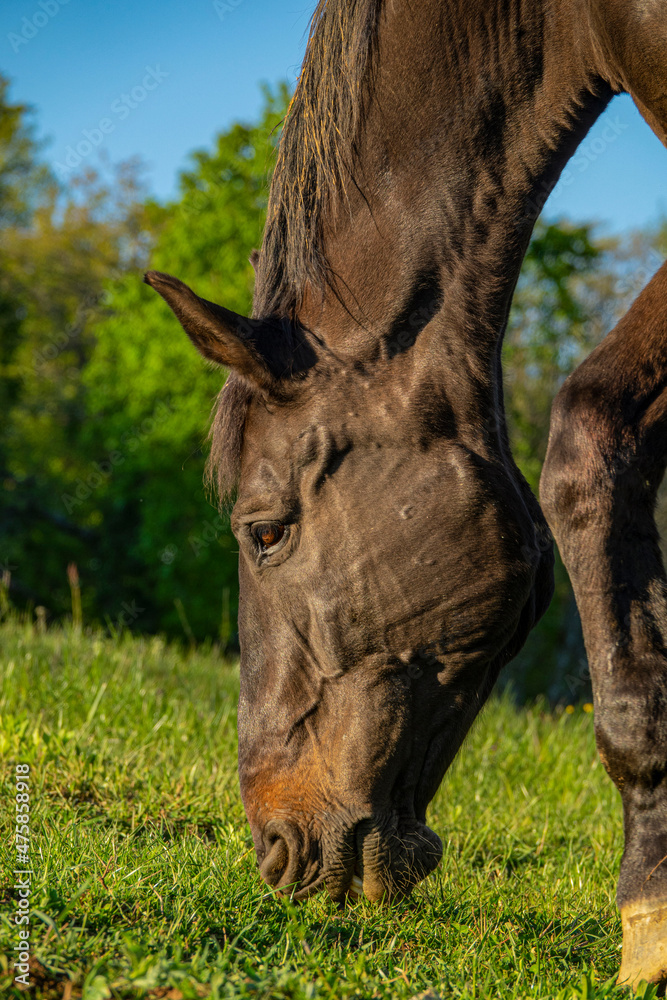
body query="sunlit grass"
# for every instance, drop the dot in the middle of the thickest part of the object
(145, 879)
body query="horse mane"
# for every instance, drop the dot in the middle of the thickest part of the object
(317, 151)
(316, 157)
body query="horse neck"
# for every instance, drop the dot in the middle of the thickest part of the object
(474, 109)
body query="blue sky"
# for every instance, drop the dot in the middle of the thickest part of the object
(165, 76)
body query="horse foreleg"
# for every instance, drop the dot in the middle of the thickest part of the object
(606, 458)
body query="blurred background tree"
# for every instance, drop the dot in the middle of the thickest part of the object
(105, 404)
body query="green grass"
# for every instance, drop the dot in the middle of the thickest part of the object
(145, 880)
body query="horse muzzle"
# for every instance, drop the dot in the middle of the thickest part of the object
(384, 856)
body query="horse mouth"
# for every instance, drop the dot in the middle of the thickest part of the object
(393, 855)
(382, 857)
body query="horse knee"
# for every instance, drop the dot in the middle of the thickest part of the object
(575, 477)
(631, 724)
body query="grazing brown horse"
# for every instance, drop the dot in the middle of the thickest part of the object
(392, 558)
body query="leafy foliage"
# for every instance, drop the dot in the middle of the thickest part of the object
(106, 404)
(23, 180)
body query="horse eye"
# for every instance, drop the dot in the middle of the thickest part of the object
(267, 534)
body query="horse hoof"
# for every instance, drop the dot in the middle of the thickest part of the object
(644, 943)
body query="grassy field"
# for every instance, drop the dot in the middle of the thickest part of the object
(145, 883)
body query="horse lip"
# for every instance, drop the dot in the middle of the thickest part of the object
(305, 891)
(343, 869)
(411, 851)
(312, 881)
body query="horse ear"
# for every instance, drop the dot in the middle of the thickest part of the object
(219, 334)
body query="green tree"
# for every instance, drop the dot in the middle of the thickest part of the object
(102, 445)
(24, 180)
(177, 559)
(23, 184)
(57, 250)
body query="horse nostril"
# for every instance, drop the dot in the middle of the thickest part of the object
(276, 862)
(281, 863)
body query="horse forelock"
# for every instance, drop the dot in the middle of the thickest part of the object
(317, 152)
(229, 417)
